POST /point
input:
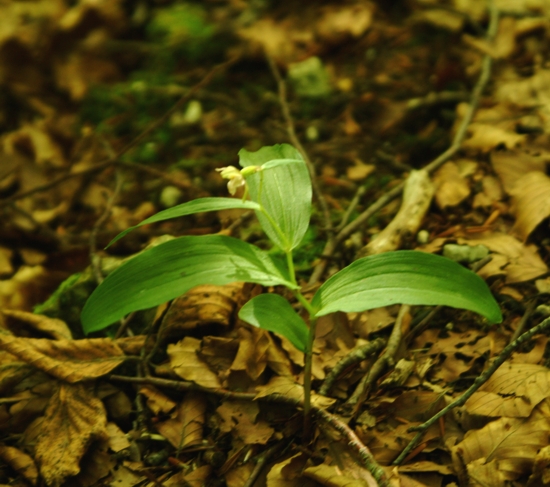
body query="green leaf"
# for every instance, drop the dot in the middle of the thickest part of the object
(191, 207)
(407, 277)
(283, 188)
(273, 313)
(170, 269)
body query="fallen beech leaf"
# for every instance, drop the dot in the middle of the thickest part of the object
(452, 188)
(253, 351)
(241, 418)
(20, 462)
(511, 165)
(285, 386)
(73, 419)
(186, 363)
(288, 473)
(69, 360)
(512, 442)
(332, 476)
(117, 439)
(531, 202)
(57, 329)
(157, 401)
(185, 427)
(519, 262)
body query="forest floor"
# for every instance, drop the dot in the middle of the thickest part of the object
(111, 111)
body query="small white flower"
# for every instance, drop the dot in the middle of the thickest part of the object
(236, 177)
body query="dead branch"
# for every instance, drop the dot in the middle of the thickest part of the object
(480, 380)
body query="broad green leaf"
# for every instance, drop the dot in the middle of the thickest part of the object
(170, 269)
(191, 207)
(273, 313)
(407, 277)
(283, 188)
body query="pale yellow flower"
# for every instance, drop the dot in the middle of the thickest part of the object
(236, 177)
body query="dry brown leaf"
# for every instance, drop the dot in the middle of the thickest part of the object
(493, 405)
(253, 351)
(185, 427)
(512, 442)
(339, 22)
(53, 327)
(332, 476)
(288, 473)
(22, 289)
(22, 463)
(195, 478)
(517, 261)
(490, 194)
(528, 381)
(69, 360)
(157, 401)
(73, 419)
(451, 187)
(185, 362)
(531, 202)
(482, 472)
(504, 43)
(241, 418)
(117, 438)
(491, 127)
(202, 306)
(512, 165)
(285, 386)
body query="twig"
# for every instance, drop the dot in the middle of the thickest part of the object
(94, 258)
(355, 356)
(263, 458)
(524, 319)
(351, 207)
(459, 137)
(385, 360)
(115, 159)
(484, 377)
(281, 85)
(353, 441)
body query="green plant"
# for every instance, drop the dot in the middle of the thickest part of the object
(278, 182)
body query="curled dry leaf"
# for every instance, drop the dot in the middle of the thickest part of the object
(73, 419)
(288, 473)
(69, 360)
(20, 462)
(53, 327)
(531, 202)
(252, 355)
(157, 401)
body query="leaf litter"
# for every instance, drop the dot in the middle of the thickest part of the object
(229, 398)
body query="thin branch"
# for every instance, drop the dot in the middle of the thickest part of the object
(458, 139)
(384, 361)
(262, 460)
(353, 441)
(484, 377)
(354, 357)
(281, 85)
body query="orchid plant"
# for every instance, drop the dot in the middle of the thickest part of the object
(278, 185)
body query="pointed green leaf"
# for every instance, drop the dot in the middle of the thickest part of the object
(273, 313)
(283, 188)
(406, 277)
(170, 269)
(196, 206)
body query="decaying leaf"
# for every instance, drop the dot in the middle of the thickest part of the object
(185, 427)
(531, 202)
(53, 327)
(20, 462)
(72, 420)
(70, 360)
(241, 418)
(186, 363)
